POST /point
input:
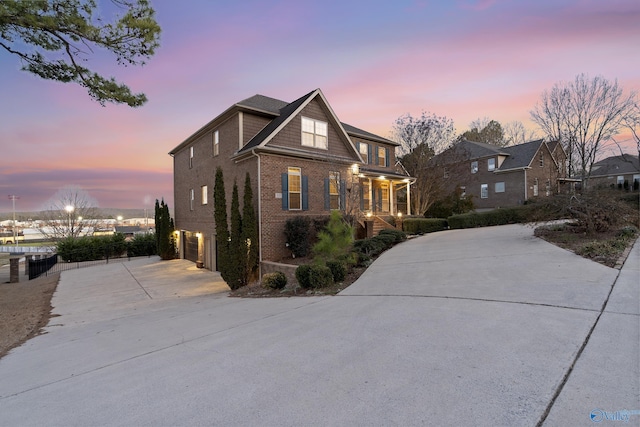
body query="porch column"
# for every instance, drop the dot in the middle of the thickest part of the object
(391, 198)
(370, 195)
(408, 198)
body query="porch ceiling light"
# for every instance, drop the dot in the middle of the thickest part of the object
(355, 169)
(198, 235)
(383, 177)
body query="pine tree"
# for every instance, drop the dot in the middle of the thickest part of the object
(237, 246)
(165, 242)
(222, 228)
(249, 231)
(158, 224)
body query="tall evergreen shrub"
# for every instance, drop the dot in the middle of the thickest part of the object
(250, 230)
(222, 227)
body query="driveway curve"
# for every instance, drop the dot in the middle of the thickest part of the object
(483, 327)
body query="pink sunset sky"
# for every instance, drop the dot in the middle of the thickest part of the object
(374, 61)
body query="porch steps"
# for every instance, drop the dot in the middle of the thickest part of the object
(380, 224)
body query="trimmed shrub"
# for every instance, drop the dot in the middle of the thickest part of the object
(296, 231)
(142, 245)
(388, 239)
(275, 280)
(338, 270)
(91, 248)
(398, 236)
(320, 276)
(302, 275)
(500, 216)
(424, 225)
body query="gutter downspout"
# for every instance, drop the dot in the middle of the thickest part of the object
(525, 186)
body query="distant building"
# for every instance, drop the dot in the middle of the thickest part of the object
(617, 172)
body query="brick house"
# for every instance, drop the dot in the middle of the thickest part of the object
(616, 171)
(505, 176)
(302, 161)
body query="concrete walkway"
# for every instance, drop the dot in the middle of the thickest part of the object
(483, 327)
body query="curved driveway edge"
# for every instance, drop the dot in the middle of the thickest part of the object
(482, 327)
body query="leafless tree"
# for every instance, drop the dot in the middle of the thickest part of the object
(71, 212)
(515, 133)
(632, 122)
(422, 138)
(583, 114)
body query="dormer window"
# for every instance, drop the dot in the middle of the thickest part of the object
(314, 133)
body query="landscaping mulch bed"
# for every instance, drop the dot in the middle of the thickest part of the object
(25, 308)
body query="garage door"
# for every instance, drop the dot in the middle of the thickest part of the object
(190, 246)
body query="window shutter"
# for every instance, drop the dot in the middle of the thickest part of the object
(369, 153)
(343, 194)
(327, 198)
(361, 198)
(357, 146)
(305, 193)
(386, 157)
(377, 158)
(285, 192)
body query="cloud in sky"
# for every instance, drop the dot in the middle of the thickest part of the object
(375, 61)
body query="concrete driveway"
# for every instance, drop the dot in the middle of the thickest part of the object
(483, 327)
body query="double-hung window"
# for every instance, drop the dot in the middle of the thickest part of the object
(382, 156)
(216, 143)
(491, 164)
(474, 167)
(364, 152)
(295, 189)
(314, 133)
(334, 190)
(484, 191)
(205, 194)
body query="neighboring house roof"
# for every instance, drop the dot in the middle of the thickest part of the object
(521, 155)
(616, 165)
(476, 150)
(128, 229)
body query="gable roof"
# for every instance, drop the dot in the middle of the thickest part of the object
(285, 115)
(521, 155)
(616, 165)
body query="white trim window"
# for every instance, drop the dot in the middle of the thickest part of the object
(535, 187)
(474, 167)
(334, 190)
(205, 194)
(295, 188)
(484, 191)
(620, 180)
(314, 133)
(190, 157)
(491, 164)
(499, 187)
(192, 197)
(216, 143)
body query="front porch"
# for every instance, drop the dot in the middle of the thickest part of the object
(384, 194)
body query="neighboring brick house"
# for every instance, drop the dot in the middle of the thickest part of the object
(302, 161)
(616, 171)
(505, 176)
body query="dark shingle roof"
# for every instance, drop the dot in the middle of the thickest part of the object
(476, 150)
(263, 103)
(520, 155)
(616, 165)
(284, 113)
(354, 131)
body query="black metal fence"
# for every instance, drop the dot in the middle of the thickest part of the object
(38, 267)
(56, 264)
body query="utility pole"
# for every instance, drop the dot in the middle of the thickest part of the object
(13, 199)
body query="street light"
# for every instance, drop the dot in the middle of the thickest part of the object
(69, 210)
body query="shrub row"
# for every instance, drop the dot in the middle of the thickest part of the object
(423, 225)
(91, 248)
(368, 248)
(484, 219)
(312, 276)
